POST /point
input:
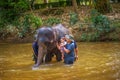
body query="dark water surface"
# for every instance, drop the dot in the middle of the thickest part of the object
(97, 61)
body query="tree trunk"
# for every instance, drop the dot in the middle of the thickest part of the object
(90, 2)
(45, 1)
(74, 4)
(32, 4)
(103, 6)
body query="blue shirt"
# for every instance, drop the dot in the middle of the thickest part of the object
(71, 48)
(75, 44)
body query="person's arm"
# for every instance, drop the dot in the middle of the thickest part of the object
(76, 50)
(69, 48)
(58, 46)
(76, 53)
(66, 50)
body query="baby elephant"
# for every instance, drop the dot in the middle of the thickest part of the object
(46, 42)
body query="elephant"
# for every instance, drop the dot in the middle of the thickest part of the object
(47, 39)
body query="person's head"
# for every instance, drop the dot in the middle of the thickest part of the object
(62, 39)
(68, 38)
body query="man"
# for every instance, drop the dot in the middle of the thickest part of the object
(75, 46)
(69, 55)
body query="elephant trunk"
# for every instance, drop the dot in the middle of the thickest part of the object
(41, 54)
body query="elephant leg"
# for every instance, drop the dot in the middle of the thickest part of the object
(35, 58)
(48, 57)
(58, 55)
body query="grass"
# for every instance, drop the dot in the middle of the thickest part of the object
(116, 24)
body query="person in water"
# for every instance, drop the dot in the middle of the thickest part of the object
(75, 47)
(35, 49)
(69, 55)
(61, 46)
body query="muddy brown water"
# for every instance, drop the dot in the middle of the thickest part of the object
(97, 61)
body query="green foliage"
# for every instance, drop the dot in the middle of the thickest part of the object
(11, 10)
(116, 23)
(12, 14)
(73, 18)
(100, 22)
(29, 23)
(19, 5)
(90, 36)
(51, 21)
(35, 21)
(99, 27)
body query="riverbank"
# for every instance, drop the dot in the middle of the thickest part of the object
(83, 30)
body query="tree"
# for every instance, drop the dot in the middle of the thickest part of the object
(46, 1)
(74, 3)
(32, 4)
(11, 10)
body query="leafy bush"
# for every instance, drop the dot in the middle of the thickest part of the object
(10, 10)
(29, 23)
(100, 22)
(90, 36)
(116, 23)
(100, 26)
(73, 18)
(51, 21)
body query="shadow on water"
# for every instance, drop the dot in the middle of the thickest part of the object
(97, 61)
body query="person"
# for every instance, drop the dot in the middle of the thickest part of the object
(61, 46)
(35, 49)
(75, 47)
(69, 55)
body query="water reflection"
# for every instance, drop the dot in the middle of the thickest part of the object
(97, 61)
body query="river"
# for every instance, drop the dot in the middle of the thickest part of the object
(97, 61)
